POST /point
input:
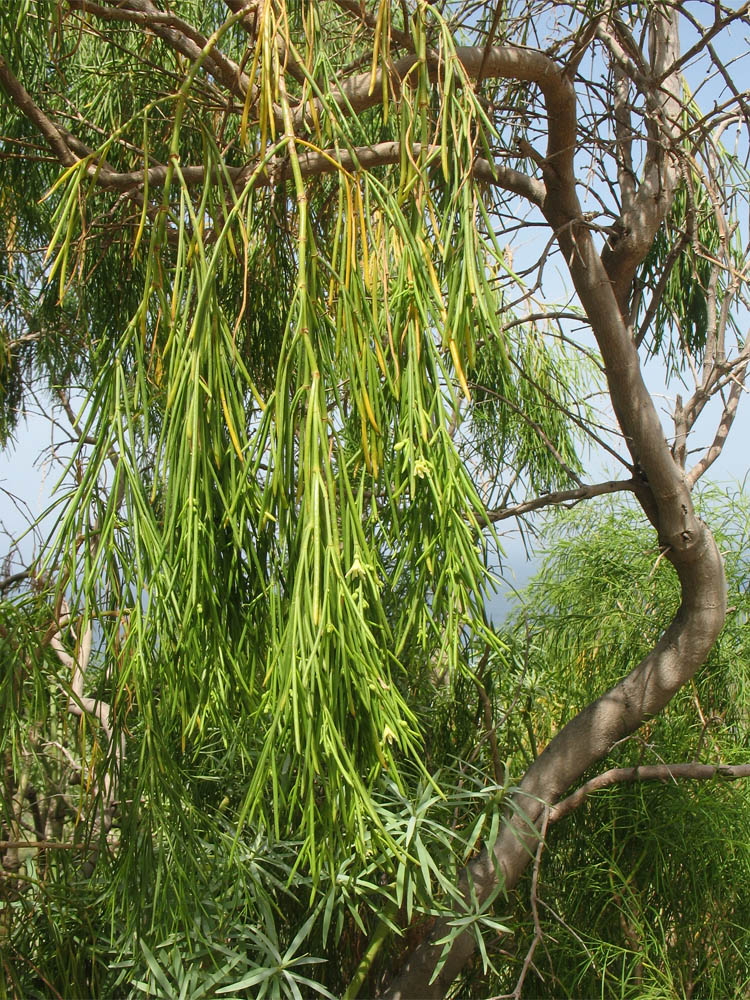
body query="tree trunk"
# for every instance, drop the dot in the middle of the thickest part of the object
(661, 489)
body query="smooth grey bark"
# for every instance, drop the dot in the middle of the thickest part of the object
(584, 740)
(660, 485)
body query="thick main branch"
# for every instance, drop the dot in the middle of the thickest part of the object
(665, 497)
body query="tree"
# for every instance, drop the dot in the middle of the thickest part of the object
(634, 894)
(283, 246)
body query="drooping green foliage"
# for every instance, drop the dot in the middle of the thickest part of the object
(683, 271)
(271, 528)
(303, 365)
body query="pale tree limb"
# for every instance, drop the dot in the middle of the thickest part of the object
(41, 845)
(646, 772)
(534, 901)
(70, 150)
(357, 10)
(325, 161)
(15, 578)
(725, 425)
(645, 209)
(81, 706)
(665, 498)
(15, 793)
(23, 101)
(558, 497)
(177, 33)
(502, 62)
(624, 138)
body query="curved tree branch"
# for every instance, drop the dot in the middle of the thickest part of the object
(645, 209)
(313, 163)
(665, 497)
(359, 93)
(646, 772)
(585, 492)
(725, 425)
(177, 33)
